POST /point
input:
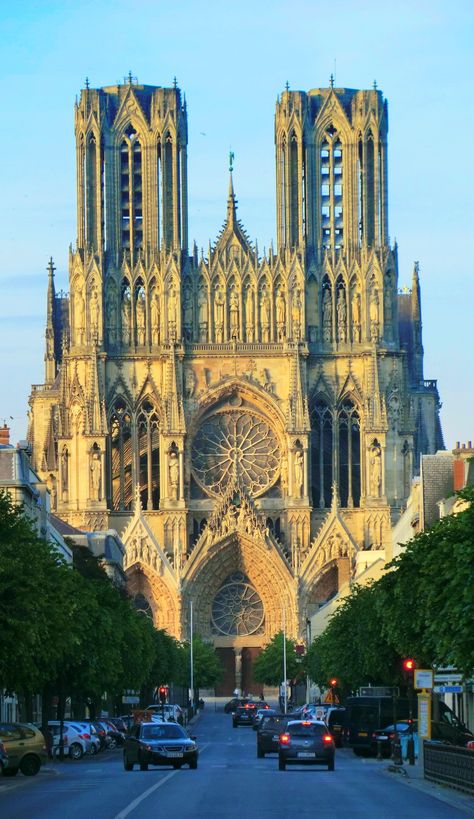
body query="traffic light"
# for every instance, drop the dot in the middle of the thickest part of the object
(333, 682)
(163, 692)
(409, 664)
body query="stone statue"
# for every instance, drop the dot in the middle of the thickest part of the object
(280, 314)
(155, 318)
(249, 314)
(284, 474)
(341, 315)
(172, 305)
(140, 313)
(95, 470)
(79, 316)
(296, 316)
(202, 313)
(356, 316)
(173, 475)
(94, 310)
(126, 313)
(374, 314)
(234, 315)
(375, 470)
(327, 316)
(189, 382)
(219, 315)
(188, 313)
(64, 474)
(265, 316)
(298, 467)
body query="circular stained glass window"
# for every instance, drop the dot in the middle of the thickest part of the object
(235, 442)
(237, 609)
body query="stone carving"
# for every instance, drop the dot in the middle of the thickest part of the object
(341, 315)
(327, 316)
(64, 474)
(94, 311)
(265, 316)
(284, 475)
(375, 470)
(95, 471)
(188, 313)
(111, 318)
(374, 314)
(298, 473)
(173, 475)
(202, 313)
(141, 319)
(172, 307)
(280, 315)
(249, 314)
(296, 316)
(155, 318)
(234, 315)
(356, 316)
(189, 382)
(126, 315)
(219, 315)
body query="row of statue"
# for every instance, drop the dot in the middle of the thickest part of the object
(225, 316)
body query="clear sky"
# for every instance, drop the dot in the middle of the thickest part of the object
(232, 60)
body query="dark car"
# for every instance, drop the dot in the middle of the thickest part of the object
(3, 758)
(231, 706)
(386, 736)
(268, 733)
(159, 743)
(305, 742)
(243, 715)
(261, 711)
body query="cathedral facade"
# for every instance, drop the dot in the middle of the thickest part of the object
(248, 423)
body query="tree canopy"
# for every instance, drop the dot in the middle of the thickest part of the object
(268, 667)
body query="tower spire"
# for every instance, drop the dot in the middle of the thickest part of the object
(50, 352)
(231, 203)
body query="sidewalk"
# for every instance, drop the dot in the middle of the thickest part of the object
(412, 775)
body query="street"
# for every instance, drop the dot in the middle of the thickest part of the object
(230, 783)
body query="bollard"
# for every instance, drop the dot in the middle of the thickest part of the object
(379, 749)
(397, 751)
(411, 750)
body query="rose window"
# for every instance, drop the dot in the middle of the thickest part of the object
(237, 609)
(239, 444)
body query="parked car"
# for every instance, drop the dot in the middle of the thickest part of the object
(152, 743)
(171, 712)
(259, 713)
(305, 742)
(268, 733)
(25, 748)
(75, 743)
(88, 732)
(386, 736)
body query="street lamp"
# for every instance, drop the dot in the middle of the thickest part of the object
(191, 657)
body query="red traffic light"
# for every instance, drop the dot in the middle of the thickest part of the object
(333, 682)
(163, 692)
(409, 664)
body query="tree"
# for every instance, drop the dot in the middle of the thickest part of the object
(268, 666)
(207, 670)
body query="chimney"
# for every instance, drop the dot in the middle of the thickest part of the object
(4, 435)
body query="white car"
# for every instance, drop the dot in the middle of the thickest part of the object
(88, 733)
(75, 744)
(171, 713)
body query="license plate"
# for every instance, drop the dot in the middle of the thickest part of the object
(306, 755)
(174, 753)
(363, 734)
(275, 737)
(382, 736)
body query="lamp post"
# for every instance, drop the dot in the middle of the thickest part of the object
(191, 657)
(285, 703)
(308, 642)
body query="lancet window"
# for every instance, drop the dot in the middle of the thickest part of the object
(331, 172)
(131, 191)
(134, 456)
(335, 454)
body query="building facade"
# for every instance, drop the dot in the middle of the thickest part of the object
(248, 423)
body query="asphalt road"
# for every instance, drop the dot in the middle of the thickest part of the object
(230, 783)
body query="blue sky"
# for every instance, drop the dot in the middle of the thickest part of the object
(232, 60)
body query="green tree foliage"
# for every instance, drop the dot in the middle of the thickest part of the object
(351, 648)
(207, 670)
(268, 667)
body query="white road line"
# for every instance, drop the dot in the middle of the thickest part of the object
(126, 811)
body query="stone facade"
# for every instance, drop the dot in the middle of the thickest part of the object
(250, 423)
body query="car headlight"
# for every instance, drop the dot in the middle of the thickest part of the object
(192, 746)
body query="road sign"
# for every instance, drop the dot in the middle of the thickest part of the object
(447, 677)
(130, 700)
(448, 689)
(424, 716)
(378, 691)
(423, 678)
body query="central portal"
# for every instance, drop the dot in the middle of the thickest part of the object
(238, 671)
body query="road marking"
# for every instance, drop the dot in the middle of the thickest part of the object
(125, 812)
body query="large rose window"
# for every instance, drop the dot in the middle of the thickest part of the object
(237, 609)
(235, 443)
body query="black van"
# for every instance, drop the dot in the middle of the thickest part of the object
(364, 715)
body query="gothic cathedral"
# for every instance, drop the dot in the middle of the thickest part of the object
(248, 423)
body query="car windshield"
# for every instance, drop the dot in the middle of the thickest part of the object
(272, 722)
(162, 732)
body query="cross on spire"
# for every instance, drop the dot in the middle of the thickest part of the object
(331, 81)
(87, 83)
(375, 85)
(287, 85)
(175, 82)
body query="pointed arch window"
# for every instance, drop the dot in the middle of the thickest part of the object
(131, 190)
(322, 454)
(121, 489)
(331, 174)
(349, 454)
(148, 455)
